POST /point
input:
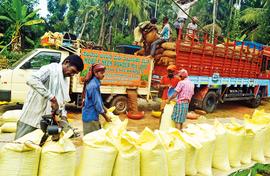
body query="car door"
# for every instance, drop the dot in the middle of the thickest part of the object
(20, 75)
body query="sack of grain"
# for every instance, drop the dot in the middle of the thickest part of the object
(9, 127)
(169, 53)
(236, 133)
(21, 158)
(175, 152)
(169, 45)
(166, 118)
(153, 155)
(221, 153)
(157, 57)
(12, 115)
(204, 133)
(128, 159)
(58, 158)
(246, 146)
(192, 147)
(98, 155)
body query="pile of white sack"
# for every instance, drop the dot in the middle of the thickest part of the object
(8, 121)
(114, 151)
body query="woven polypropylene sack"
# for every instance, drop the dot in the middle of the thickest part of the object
(128, 159)
(153, 156)
(175, 152)
(58, 158)
(169, 53)
(246, 146)
(236, 135)
(192, 146)
(205, 135)
(12, 115)
(9, 127)
(267, 143)
(98, 155)
(260, 117)
(166, 118)
(257, 152)
(21, 158)
(169, 45)
(116, 123)
(221, 154)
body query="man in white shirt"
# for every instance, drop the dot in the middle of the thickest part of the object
(48, 93)
(192, 26)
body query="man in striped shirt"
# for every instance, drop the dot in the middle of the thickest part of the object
(49, 92)
(183, 94)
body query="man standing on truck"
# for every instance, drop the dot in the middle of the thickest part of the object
(184, 92)
(92, 100)
(192, 29)
(169, 80)
(138, 32)
(49, 92)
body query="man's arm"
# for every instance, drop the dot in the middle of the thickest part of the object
(162, 85)
(177, 89)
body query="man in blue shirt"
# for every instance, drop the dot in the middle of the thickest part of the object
(165, 36)
(92, 100)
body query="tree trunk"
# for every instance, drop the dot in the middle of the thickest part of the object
(84, 25)
(16, 40)
(16, 44)
(101, 32)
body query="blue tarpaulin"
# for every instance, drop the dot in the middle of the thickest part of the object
(251, 44)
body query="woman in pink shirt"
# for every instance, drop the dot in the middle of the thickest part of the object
(183, 93)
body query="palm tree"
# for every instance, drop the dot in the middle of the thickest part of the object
(133, 8)
(18, 17)
(256, 20)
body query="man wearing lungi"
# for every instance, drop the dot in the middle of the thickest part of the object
(183, 94)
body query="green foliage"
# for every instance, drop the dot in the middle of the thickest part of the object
(263, 169)
(11, 56)
(56, 17)
(17, 15)
(120, 39)
(122, 16)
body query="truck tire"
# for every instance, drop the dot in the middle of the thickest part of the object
(209, 102)
(254, 103)
(120, 103)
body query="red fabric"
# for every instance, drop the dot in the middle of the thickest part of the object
(168, 81)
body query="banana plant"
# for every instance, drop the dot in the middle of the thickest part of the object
(18, 18)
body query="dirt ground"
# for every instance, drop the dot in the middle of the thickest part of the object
(226, 110)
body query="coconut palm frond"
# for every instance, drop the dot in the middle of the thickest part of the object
(251, 15)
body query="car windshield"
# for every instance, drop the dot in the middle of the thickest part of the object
(21, 59)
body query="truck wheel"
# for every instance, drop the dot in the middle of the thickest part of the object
(254, 103)
(120, 103)
(209, 102)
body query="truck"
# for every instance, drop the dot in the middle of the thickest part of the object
(123, 72)
(222, 70)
